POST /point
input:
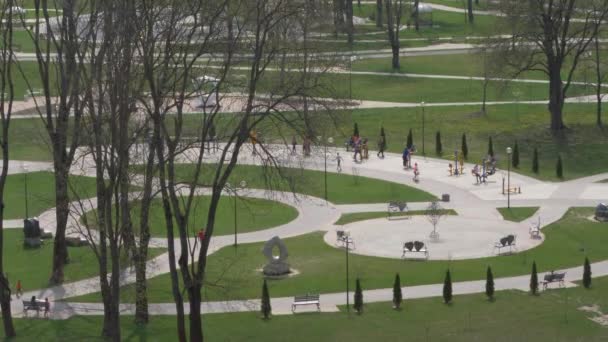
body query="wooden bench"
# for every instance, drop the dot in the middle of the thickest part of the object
(415, 248)
(396, 207)
(307, 299)
(553, 278)
(37, 305)
(506, 242)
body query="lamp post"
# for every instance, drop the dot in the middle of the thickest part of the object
(25, 194)
(422, 106)
(234, 190)
(509, 152)
(330, 140)
(347, 242)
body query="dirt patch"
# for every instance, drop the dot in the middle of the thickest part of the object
(599, 318)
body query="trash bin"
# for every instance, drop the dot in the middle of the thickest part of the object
(445, 197)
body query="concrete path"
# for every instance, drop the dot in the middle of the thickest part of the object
(473, 203)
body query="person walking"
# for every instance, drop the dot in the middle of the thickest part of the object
(201, 235)
(405, 156)
(357, 149)
(416, 172)
(381, 146)
(19, 289)
(339, 161)
(294, 144)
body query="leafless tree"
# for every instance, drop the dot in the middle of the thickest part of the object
(279, 107)
(7, 95)
(416, 14)
(434, 213)
(60, 46)
(350, 25)
(379, 14)
(551, 36)
(394, 12)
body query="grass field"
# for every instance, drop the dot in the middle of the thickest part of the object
(41, 189)
(517, 214)
(233, 274)
(252, 214)
(33, 266)
(355, 217)
(341, 189)
(554, 316)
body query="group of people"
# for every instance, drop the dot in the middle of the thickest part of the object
(408, 152)
(360, 147)
(487, 168)
(34, 301)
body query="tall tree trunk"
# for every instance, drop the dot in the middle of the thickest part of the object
(350, 25)
(556, 97)
(62, 212)
(417, 15)
(470, 10)
(339, 6)
(196, 324)
(599, 79)
(379, 13)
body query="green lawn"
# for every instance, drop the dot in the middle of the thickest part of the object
(355, 217)
(252, 214)
(517, 214)
(41, 190)
(554, 316)
(342, 188)
(582, 146)
(28, 140)
(234, 274)
(33, 266)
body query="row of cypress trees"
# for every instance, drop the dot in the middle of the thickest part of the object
(447, 289)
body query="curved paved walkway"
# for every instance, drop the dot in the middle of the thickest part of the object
(471, 201)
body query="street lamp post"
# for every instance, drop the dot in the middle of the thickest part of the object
(234, 191)
(347, 241)
(330, 140)
(509, 152)
(422, 106)
(25, 194)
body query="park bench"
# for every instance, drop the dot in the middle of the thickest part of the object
(343, 239)
(37, 305)
(553, 278)
(506, 242)
(307, 299)
(415, 248)
(396, 207)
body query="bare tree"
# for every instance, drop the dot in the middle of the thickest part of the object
(394, 12)
(416, 14)
(470, 11)
(551, 36)
(7, 95)
(350, 26)
(379, 14)
(60, 44)
(263, 41)
(434, 213)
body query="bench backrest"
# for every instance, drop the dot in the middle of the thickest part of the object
(306, 298)
(418, 245)
(408, 245)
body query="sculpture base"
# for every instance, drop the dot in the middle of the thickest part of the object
(276, 268)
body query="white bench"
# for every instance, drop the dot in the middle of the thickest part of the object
(396, 208)
(415, 248)
(307, 299)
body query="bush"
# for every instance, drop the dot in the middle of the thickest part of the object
(397, 294)
(535, 161)
(410, 139)
(490, 147)
(534, 279)
(464, 147)
(515, 160)
(266, 308)
(559, 169)
(358, 298)
(438, 146)
(447, 288)
(587, 274)
(490, 284)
